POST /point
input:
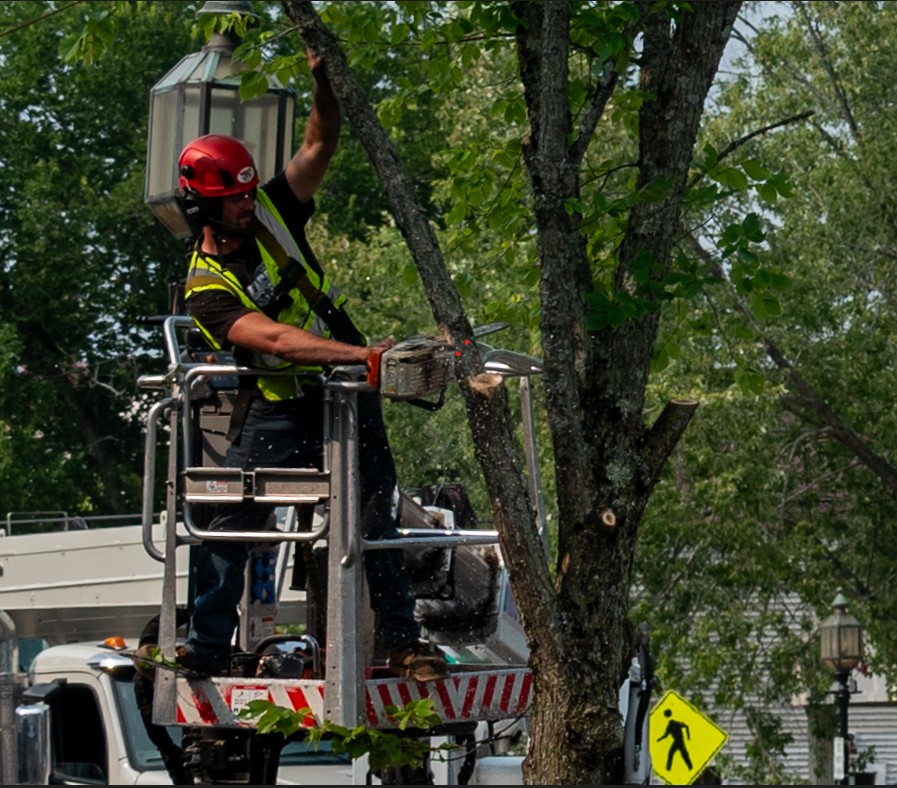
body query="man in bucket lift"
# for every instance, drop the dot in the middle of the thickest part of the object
(255, 287)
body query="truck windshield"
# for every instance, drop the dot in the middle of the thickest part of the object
(142, 753)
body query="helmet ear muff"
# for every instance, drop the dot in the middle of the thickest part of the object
(199, 211)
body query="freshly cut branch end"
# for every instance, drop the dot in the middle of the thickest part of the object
(485, 382)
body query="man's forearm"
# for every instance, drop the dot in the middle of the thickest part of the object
(324, 122)
(257, 332)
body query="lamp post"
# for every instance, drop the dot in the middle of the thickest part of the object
(200, 95)
(841, 648)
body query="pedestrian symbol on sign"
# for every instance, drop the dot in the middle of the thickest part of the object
(682, 740)
(674, 730)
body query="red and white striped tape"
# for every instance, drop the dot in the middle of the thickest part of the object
(461, 697)
(218, 702)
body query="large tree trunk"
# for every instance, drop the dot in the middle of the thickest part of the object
(607, 461)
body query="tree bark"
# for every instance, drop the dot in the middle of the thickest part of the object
(607, 461)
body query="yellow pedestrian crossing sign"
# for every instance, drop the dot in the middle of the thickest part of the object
(682, 741)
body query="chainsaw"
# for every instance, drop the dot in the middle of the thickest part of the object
(415, 368)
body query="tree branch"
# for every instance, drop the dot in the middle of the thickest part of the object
(486, 399)
(826, 62)
(737, 143)
(664, 434)
(601, 95)
(410, 216)
(810, 399)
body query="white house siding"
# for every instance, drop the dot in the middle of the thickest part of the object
(874, 725)
(794, 721)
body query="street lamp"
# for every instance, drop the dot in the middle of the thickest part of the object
(841, 648)
(200, 95)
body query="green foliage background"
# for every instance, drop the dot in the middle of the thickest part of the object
(788, 239)
(81, 257)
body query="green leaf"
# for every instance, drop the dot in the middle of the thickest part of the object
(750, 381)
(731, 234)
(660, 359)
(768, 192)
(752, 230)
(755, 169)
(385, 749)
(758, 305)
(731, 178)
(252, 84)
(711, 155)
(399, 33)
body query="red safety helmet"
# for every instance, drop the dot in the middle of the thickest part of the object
(216, 165)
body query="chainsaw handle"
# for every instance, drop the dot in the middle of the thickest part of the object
(427, 404)
(373, 365)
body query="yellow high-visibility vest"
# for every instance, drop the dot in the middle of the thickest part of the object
(301, 307)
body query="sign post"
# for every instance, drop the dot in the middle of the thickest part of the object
(683, 740)
(838, 766)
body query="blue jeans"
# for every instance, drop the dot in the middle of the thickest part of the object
(289, 435)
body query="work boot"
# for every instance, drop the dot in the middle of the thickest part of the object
(419, 661)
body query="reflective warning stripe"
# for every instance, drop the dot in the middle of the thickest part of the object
(461, 697)
(218, 701)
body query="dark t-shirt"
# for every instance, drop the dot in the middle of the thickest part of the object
(218, 310)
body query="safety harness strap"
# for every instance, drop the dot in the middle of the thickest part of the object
(294, 275)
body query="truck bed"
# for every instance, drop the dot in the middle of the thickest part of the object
(90, 584)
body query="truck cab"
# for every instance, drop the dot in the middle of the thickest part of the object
(96, 734)
(98, 737)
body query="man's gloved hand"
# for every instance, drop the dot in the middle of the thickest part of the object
(373, 362)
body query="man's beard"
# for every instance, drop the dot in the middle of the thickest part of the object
(233, 230)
